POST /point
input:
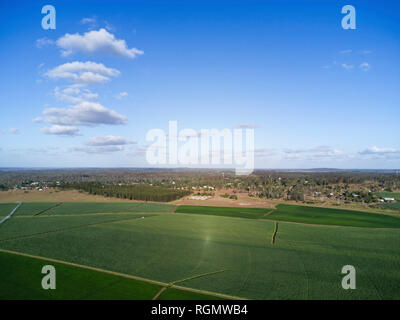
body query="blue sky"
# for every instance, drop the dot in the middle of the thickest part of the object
(317, 95)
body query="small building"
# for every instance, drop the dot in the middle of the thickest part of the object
(388, 199)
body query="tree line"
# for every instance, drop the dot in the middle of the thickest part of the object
(132, 192)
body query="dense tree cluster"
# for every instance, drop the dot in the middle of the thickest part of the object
(131, 192)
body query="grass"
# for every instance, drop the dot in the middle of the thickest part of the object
(328, 216)
(21, 279)
(249, 213)
(304, 262)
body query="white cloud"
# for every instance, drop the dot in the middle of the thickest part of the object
(365, 66)
(347, 66)
(92, 22)
(121, 95)
(347, 51)
(319, 153)
(82, 72)
(108, 141)
(101, 149)
(61, 130)
(42, 42)
(85, 113)
(375, 150)
(95, 41)
(74, 94)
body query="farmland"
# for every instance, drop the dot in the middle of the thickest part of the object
(301, 214)
(133, 250)
(249, 213)
(328, 216)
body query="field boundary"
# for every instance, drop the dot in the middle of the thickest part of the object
(198, 276)
(172, 284)
(163, 284)
(267, 214)
(160, 292)
(43, 211)
(274, 233)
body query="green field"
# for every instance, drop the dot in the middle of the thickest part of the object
(301, 214)
(394, 205)
(328, 216)
(249, 213)
(213, 255)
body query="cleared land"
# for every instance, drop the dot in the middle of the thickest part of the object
(209, 254)
(51, 195)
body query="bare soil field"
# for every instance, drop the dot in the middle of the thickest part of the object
(243, 201)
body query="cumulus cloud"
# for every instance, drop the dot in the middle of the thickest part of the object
(95, 41)
(74, 94)
(365, 66)
(108, 141)
(61, 130)
(82, 72)
(85, 113)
